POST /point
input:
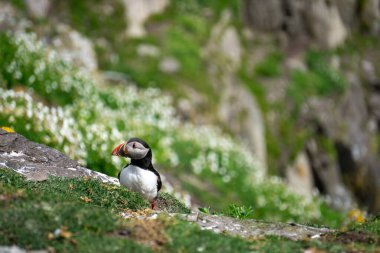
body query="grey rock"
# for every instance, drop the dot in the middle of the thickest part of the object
(300, 176)
(264, 15)
(38, 8)
(347, 120)
(325, 23)
(16, 249)
(37, 162)
(318, 19)
(244, 228)
(252, 228)
(137, 12)
(12, 19)
(148, 50)
(327, 172)
(347, 10)
(238, 109)
(371, 15)
(169, 65)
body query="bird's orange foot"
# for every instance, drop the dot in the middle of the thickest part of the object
(153, 205)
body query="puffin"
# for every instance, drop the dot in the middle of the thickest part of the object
(139, 175)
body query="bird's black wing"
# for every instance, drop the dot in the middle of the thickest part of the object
(159, 182)
(118, 175)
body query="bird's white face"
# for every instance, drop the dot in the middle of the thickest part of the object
(131, 149)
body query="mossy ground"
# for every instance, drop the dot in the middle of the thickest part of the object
(85, 212)
(81, 215)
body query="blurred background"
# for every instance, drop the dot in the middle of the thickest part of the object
(273, 105)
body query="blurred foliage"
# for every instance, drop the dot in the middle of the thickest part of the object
(240, 212)
(270, 66)
(87, 122)
(372, 226)
(321, 79)
(97, 119)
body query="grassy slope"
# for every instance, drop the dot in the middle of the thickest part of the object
(86, 211)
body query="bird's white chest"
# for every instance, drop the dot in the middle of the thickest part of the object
(139, 180)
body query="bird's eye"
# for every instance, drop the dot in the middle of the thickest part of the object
(134, 145)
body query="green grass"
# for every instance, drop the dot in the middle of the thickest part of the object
(87, 209)
(359, 238)
(189, 238)
(270, 66)
(321, 79)
(240, 212)
(91, 191)
(372, 226)
(33, 210)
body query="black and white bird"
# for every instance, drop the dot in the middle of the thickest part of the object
(139, 175)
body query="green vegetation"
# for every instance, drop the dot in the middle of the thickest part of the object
(171, 204)
(81, 215)
(372, 226)
(241, 212)
(270, 66)
(188, 238)
(87, 208)
(321, 79)
(86, 122)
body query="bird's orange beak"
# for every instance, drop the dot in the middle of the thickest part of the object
(117, 151)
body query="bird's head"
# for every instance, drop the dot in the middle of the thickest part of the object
(134, 148)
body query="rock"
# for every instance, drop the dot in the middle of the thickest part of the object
(347, 11)
(169, 65)
(73, 47)
(264, 15)
(37, 162)
(16, 249)
(328, 177)
(137, 12)
(188, 108)
(238, 109)
(230, 46)
(244, 228)
(242, 115)
(300, 176)
(253, 229)
(294, 21)
(148, 50)
(12, 19)
(347, 120)
(325, 23)
(224, 43)
(319, 19)
(38, 8)
(371, 15)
